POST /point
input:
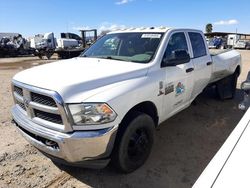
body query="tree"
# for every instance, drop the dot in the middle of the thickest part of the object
(209, 28)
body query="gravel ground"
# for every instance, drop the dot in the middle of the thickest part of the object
(184, 144)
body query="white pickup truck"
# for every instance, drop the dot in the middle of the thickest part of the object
(106, 103)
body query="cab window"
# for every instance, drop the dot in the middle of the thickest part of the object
(176, 42)
(198, 46)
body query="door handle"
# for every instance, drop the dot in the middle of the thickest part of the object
(189, 69)
(209, 63)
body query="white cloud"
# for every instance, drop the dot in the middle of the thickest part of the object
(122, 2)
(227, 22)
(81, 28)
(106, 26)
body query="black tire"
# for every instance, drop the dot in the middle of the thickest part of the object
(40, 56)
(49, 53)
(226, 87)
(135, 140)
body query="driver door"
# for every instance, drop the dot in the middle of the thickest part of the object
(178, 79)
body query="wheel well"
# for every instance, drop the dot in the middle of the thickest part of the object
(146, 107)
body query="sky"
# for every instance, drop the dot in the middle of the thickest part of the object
(30, 17)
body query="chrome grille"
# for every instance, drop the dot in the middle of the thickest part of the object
(21, 105)
(48, 116)
(18, 90)
(42, 99)
(45, 107)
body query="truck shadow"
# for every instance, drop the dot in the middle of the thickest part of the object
(183, 147)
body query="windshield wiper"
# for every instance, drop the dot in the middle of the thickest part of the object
(111, 57)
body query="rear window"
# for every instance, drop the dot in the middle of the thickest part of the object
(198, 46)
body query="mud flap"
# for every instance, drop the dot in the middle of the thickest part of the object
(226, 87)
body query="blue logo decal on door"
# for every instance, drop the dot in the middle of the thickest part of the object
(179, 89)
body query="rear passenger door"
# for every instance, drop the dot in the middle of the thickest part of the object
(202, 62)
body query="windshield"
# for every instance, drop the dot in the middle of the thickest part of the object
(134, 47)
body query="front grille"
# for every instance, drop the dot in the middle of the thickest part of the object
(21, 105)
(40, 106)
(42, 99)
(48, 116)
(18, 90)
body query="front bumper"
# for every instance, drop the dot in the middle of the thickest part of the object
(85, 148)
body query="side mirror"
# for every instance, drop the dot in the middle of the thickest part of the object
(245, 85)
(176, 58)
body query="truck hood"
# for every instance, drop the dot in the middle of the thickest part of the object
(78, 75)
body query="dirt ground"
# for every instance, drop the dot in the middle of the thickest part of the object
(184, 144)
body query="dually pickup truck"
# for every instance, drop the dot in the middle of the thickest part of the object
(104, 105)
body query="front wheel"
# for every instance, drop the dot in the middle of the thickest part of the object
(134, 143)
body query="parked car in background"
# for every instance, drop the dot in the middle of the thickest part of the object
(242, 44)
(13, 45)
(217, 43)
(230, 167)
(245, 86)
(238, 41)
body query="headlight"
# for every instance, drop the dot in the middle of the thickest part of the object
(91, 113)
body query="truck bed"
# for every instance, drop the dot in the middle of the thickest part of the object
(224, 63)
(214, 52)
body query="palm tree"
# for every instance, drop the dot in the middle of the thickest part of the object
(209, 28)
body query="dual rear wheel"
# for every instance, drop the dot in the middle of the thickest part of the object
(226, 87)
